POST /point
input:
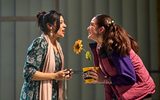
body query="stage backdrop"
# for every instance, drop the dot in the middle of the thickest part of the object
(18, 28)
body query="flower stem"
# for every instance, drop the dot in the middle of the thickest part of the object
(84, 50)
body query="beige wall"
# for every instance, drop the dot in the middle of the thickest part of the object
(139, 17)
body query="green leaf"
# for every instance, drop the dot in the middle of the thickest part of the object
(88, 55)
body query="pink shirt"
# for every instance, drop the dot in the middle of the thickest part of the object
(143, 86)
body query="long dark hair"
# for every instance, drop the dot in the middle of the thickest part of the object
(52, 17)
(115, 37)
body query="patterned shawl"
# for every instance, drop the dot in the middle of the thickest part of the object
(49, 67)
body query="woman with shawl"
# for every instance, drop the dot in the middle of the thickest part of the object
(43, 69)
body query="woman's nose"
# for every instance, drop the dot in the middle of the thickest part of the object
(88, 28)
(65, 25)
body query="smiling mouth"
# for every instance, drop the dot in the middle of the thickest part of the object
(63, 31)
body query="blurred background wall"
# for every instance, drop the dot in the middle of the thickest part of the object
(18, 27)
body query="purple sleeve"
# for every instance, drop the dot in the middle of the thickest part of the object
(125, 70)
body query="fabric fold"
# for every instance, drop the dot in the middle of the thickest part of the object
(49, 67)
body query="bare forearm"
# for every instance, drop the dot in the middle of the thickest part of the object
(43, 76)
(60, 75)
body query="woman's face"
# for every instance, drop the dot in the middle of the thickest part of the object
(61, 31)
(93, 30)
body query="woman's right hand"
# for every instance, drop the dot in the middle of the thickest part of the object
(94, 74)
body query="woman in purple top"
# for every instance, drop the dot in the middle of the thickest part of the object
(121, 69)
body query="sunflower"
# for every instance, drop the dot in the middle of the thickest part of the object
(78, 46)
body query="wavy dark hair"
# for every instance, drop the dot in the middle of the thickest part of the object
(52, 17)
(115, 37)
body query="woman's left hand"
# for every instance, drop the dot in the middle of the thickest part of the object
(68, 74)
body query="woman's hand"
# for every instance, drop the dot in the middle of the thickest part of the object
(69, 74)
(63, 74)
(94, 74)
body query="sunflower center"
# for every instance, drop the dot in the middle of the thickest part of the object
(77, 47)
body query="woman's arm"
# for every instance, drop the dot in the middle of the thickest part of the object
(43, 76)
(125, 73)
(125, 70)
(60, 75)
(98, 77)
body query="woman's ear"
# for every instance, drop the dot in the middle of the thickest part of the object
(101, 29)
(49, 26)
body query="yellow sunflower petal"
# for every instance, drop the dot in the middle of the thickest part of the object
(78, 46)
